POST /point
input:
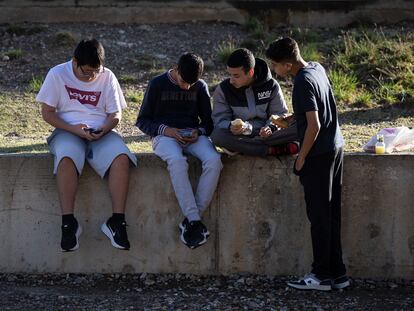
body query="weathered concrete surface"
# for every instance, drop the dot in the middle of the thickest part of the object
(262, 223)
(378, 214)
(277, 12)
(257, 219)
(29, 217)
(116, 12)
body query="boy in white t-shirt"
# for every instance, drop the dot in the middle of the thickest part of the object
(83, 100)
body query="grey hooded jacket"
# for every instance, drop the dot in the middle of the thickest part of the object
(254, 103)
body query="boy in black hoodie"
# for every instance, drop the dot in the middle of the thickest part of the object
(253, 96)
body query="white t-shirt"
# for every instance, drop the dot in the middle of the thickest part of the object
(81, 102)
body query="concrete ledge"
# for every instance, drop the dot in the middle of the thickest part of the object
(257, 219)
(328, 13)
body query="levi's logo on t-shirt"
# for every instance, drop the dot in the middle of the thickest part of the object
(84, 97)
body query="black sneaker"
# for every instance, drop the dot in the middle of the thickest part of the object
(194, 233)
(116, 232)
(341, 282)
(310, 281)
(70, 236)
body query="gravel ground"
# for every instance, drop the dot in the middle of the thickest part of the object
(133, 50)
(192, 292)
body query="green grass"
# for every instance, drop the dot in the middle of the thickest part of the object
(15, 53)
(127, 78)
(65, 38)
(145, 61)
(251, 44)
(21, 126)
(35, 84)
(225, 49)
(252, 24)
(305, 35)
(24, 131)
(138, 146)
(19, 30)
(310, 52)
(23, 145)
(134, 96)
(153, 72)
(344, 85)
(383, 64)
(371, 70)
(20, 116)
(363, 99)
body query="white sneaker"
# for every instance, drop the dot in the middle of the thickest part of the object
(341, 282)
(310, 281)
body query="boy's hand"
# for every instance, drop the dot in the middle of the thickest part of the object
(79, 129)
(193, 137)
(236, 130)
(174, 133)
(99, 134)
(265, 132)
(300, 161)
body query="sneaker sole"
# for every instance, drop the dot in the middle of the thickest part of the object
(229, 153)
(77, 234)
(324, 288)
(181, 228)
(108, 233)
(341, 285)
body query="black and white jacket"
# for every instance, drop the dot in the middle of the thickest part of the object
(254, 103)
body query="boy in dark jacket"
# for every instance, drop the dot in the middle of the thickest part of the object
(243, 106)
(176, 113)
(319, 162)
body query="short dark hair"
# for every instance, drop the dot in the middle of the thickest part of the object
(241, 58)
(285, 49)
(190, 67)
(90, 52)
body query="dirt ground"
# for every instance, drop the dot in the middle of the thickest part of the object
(192, 292)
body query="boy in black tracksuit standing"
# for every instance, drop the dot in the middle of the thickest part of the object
(319, 162)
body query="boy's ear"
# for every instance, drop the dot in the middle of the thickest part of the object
(251, 72)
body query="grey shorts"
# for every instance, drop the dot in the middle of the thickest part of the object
(99, 153)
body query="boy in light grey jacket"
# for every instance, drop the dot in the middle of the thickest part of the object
(252, 95)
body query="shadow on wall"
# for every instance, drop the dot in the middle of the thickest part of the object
(29, 148)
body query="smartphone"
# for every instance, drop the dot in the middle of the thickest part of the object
(93, 131)
(186, 133)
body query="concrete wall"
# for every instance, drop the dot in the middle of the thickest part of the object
(257, 219)
(309, 13)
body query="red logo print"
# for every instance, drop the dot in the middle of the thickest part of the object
(84, 97)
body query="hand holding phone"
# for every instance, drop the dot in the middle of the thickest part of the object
(186, 133)
(92, 130)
